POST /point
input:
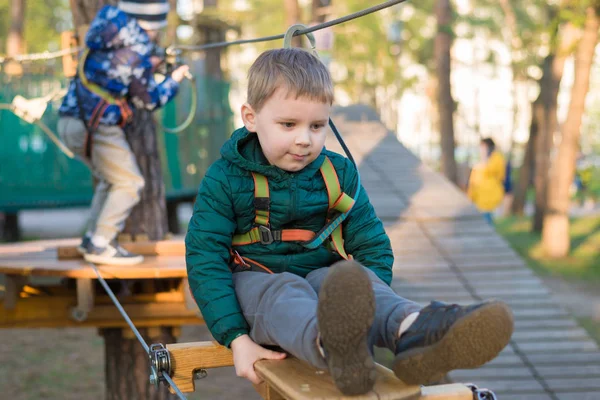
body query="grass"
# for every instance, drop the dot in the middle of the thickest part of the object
(583, 262)
(591, 326)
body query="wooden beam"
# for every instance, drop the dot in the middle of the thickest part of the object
(85, 299)
(283, 379)
(54, 311)
(186, 358)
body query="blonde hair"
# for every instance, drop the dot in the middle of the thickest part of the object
(298, 71)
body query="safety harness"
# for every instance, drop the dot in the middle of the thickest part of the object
(339, 203)
(106, 99)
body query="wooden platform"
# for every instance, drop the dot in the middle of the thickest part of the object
(164, 259)
(71, 298)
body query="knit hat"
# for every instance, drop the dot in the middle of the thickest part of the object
(150, 14)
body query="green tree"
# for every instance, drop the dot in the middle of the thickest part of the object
(44, 20)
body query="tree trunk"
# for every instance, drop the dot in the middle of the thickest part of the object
(525, 172)
(15, 43)
(127, 369)
(512, 42)
(443, 43)
(555, 234)
(149, 216)
(172, 23)
(544, 109)
(292, 16)
(212, 34)
(84, 12)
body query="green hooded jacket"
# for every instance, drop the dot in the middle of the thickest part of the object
(225, 207)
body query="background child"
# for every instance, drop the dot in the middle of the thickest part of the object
(116, 75)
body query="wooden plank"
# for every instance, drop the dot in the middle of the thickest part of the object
(147, 248)
(48, 265)
(453, 391)
(296, 380)
(41, 258)
(186, 358)
(293, 379)
(267, 392)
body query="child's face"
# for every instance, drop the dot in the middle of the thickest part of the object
(291, 131)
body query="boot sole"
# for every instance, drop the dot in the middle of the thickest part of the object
(472, 341)
(345, 314)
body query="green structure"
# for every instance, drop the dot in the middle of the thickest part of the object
(34, 173)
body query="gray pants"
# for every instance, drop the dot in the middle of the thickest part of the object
(119, 179)
(281, 310)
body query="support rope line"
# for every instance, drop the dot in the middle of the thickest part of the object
(134, 329)
(57, 54)
(317, 27)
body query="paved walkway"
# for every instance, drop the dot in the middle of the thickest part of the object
(444, 250)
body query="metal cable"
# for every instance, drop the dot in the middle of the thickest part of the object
(120, 308)
(57, 54)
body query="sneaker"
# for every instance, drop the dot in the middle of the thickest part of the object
(345, 313)
(86, 240)
(112, 254)
(445, 337)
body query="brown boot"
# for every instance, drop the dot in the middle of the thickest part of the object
(345, 313)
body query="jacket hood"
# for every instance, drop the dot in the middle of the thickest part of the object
(243, 149)
(113, 29)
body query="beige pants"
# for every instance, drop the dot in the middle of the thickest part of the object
(119, 179)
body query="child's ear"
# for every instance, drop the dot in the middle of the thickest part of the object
(249, 117)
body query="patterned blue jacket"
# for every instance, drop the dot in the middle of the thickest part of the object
(119, 62)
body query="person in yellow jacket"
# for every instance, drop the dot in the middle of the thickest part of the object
(486, 184)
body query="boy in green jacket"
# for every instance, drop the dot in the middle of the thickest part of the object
(274, 187)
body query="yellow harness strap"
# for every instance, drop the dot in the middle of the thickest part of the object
(338, 202)
(126, 112)
(262, 233)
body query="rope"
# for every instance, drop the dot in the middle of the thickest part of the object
(46, 55)
(191, 113)
(317, 27)
(132, 326)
